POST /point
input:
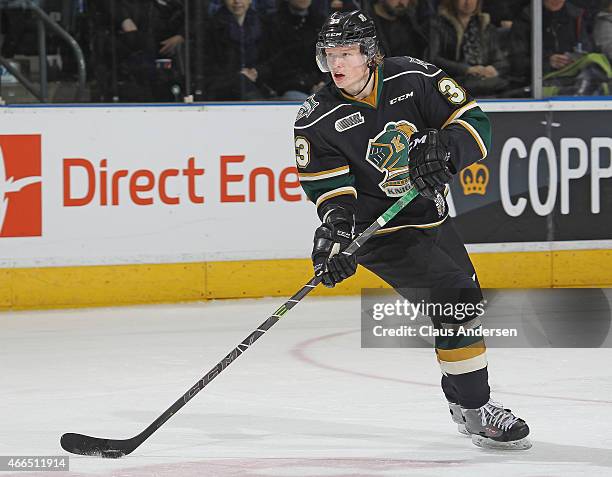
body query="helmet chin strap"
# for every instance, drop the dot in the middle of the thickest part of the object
(371, 68)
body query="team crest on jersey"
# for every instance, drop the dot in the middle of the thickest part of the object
(307, 108)
(388, 152)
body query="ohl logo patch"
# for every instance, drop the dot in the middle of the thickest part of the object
(20, 186)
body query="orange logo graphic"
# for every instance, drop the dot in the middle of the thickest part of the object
(20, 186)
(474, 179)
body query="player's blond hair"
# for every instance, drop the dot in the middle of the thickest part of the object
(378, 59)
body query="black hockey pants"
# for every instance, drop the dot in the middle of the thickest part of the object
(436, 259)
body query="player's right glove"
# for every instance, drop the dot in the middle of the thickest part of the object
(330, 239)
(429, 164)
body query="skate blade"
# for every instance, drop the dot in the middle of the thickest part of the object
(486, 443)
(462, 430)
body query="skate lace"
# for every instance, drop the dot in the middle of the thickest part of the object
(494, 414)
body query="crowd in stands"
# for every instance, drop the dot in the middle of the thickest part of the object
(264, 49)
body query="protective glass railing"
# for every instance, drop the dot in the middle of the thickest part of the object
(105, 51)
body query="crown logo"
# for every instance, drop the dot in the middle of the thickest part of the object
(474, 179)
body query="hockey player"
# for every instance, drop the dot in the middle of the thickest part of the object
(378, 128)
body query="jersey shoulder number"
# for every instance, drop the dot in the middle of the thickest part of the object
(302, 151)
(454, 93)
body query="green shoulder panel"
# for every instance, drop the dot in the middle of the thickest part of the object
(477, 118)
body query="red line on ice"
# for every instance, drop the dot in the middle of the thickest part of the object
(299, 352)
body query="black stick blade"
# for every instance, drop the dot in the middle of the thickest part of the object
(94, 446)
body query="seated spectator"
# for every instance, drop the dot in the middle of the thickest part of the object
(591, 8)
(426, 10)
(602, 33)
(292, 34)
(503, 12)
(320, 7)
(160, 22)
(399, 33)
(563, 35)
(146, 31)
(263, 7)
(463, 42)
(569, 66)
(234, 54)
(344, 5)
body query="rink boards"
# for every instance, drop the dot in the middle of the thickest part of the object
(104, 205)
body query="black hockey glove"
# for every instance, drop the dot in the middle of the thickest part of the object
(330, 239)
(429, 164)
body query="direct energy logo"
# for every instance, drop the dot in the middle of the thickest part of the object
(20, 186)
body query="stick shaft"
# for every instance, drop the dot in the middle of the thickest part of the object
(128, 445)
(389, 214)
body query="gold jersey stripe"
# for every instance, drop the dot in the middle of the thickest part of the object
(315, 176)
(459, 113)
(461, 354)
(465, 366)
(475, 135)
(335, 193)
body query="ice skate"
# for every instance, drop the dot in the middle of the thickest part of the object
(457, 415)
(494, 427)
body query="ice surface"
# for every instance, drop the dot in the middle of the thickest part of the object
(305, 400)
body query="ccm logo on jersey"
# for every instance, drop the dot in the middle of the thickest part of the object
(402, 97)
(349, 122)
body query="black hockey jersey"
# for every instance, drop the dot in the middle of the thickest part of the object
(354, 153)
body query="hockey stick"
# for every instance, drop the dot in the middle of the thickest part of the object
(114, 448)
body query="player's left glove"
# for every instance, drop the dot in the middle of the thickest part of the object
(429, 163)
(330, 239)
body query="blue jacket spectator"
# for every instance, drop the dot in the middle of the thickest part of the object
(234, 54)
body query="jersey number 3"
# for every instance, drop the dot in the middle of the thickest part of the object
(453, 92)
(302, 151)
